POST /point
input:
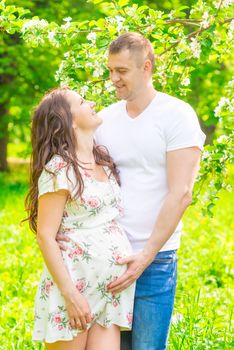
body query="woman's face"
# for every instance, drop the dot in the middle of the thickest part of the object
(84, 116)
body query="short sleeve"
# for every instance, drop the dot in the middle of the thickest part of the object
(54, 177)
(184, 130)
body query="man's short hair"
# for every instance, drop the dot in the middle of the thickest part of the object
(135, 43)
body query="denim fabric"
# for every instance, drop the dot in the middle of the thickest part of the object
(154, 300)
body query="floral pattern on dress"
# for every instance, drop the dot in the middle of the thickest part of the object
(130, 318)
(116, 256)
(112, 228)
(93, 204)
(46, 286)
(114, 299)
(82, 285)
(78, 253)
(58, 318)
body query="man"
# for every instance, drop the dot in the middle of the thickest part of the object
(155, 140)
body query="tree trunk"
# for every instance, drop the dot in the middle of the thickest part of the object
(209, 131)
(3, 138)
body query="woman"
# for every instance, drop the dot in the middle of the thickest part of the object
(74, 191)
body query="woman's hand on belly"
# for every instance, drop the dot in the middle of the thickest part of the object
(78, 309)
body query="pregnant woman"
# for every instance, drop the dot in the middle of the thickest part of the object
(74, 191)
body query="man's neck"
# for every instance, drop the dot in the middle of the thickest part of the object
(137, 105)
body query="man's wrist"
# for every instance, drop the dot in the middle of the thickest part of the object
(149, 253)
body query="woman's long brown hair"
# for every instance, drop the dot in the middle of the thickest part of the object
(52, 134)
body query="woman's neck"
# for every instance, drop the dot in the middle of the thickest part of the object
(85, 146)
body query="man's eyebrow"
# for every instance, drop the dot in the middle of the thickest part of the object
(121, 67)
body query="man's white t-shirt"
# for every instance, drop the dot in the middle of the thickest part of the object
(139, 146)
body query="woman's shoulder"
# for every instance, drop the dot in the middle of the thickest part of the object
(56, 164)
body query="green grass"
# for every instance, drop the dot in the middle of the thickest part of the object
(203, 308)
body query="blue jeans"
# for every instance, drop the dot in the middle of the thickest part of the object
(154, 301)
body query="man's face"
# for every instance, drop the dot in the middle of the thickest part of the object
(127, 74)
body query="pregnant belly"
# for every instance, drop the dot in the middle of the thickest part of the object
(107, 243)
(95, 259)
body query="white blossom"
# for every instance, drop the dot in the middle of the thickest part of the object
(222, 139)
(66, 25)
(205, 155)
(83, 90)
(88, 64)
(92, 37)
(51, 35)
(60, 72)
(119, 22)
(231, 83)
(98, 71)
(109, 86)
(195, 47)
(230, 36)
(52, 39)
(67, 81)
(231, 26)
(181, 46)
(67, 19)
(223, 102)
(205, 23)
(34, 24)
(185, 81)
(223, 3)
(120, 27)
(161, 73)
(171, 15)
(90, 54)
(119, 19)
(131, 11)
(229, 188)
(67, 54)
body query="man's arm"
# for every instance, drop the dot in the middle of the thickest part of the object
(182, 169)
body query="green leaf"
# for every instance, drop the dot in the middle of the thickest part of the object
(92, 23)
(142, 9)
(207, 42)
(183, 8)
(123, 2)
(95, 1)
(101, 23)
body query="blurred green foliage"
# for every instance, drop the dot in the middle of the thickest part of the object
(204, 304)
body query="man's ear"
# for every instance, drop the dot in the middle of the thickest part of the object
(148, 66)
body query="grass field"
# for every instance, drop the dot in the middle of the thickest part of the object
(203, 309)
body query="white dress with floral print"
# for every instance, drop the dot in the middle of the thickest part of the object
(97, 241)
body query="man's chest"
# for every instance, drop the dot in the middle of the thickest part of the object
(134, 143)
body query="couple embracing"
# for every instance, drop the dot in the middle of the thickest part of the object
(107, 213)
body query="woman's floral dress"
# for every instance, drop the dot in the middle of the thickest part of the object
(97, 242)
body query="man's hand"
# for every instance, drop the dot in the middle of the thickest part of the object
(136, 265)
(62, 238)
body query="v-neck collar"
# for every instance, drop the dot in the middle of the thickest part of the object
(140, 115)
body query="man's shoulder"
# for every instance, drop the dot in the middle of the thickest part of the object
(172, 102)
(173, 109)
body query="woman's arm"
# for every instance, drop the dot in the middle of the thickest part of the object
(50, 211)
